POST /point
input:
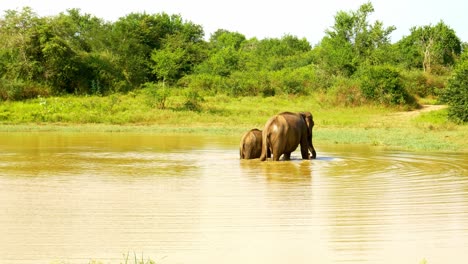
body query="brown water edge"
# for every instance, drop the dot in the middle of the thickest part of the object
(189, 199)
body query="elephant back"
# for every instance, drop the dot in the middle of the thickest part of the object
(251, 144)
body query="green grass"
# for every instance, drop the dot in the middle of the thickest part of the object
(133, 112)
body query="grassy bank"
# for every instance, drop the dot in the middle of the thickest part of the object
(136, 112)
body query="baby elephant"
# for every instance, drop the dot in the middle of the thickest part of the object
(251, 144)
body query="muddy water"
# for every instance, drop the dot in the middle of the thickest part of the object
(188, 199)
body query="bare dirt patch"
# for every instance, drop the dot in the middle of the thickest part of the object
(424, 109)
(398, 119)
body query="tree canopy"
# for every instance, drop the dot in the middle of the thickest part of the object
(76, 53)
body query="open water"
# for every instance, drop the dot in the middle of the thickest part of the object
(77, 197)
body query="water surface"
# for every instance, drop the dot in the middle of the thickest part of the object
(74, 197)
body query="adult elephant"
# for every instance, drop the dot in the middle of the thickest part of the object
(284, 132)
(251, 144)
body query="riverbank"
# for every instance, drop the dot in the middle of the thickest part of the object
(425, 129)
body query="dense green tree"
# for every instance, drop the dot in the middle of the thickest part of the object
(136, 36)
(17, 35)
(275, 54)
(335, 56)
(79, 53)
(429, 47)
(19, 68)
(133, 39)
(383, 84)
(223, 38)
(352, 41)
(224, 55)
(286, 46)
(169, 61)
(222, 63)
(61, 52)
(73, 54)
(456, 94)
(177, 57)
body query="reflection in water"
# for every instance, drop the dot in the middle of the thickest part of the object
(189, 199)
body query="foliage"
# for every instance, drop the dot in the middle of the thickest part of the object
(193, 100)
(79, 54)
(335, 56)
(456, 94)
(157, 94)
(224, 38)
(423, 84)
(136, 36)
(276, 54)
(346, 92)
(20, 90)
(221, 62)
(383, 84)
(430, 48)
(76, 53)
(353, 41)
(176, 57)
(168, 62)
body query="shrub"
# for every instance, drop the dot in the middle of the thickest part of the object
(456, 94)
(193, 100)
(423, 84)
(383, 84)
(300, 81)
(156, 94)
(295, 81)
(246, 83)
(346, 92)
(209, 84)
(19, 90)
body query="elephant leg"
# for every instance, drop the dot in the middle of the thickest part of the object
(276, 150)
(276, 154)
(287, 156)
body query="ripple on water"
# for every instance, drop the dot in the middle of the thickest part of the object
(198, 203)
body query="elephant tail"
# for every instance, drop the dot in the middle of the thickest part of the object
(241, 148)
(263, 156)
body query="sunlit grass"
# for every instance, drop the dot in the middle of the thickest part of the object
(217, 110)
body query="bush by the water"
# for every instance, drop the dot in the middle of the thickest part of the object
(456, 94)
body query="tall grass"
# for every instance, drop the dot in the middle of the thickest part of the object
(134, 108)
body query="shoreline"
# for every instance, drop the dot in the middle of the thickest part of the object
(423, 129)
(392, 138)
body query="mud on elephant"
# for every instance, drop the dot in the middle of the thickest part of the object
(251, 144)
(284, 132)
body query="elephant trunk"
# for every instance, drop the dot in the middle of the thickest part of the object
(312, 150)
(311, 147)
